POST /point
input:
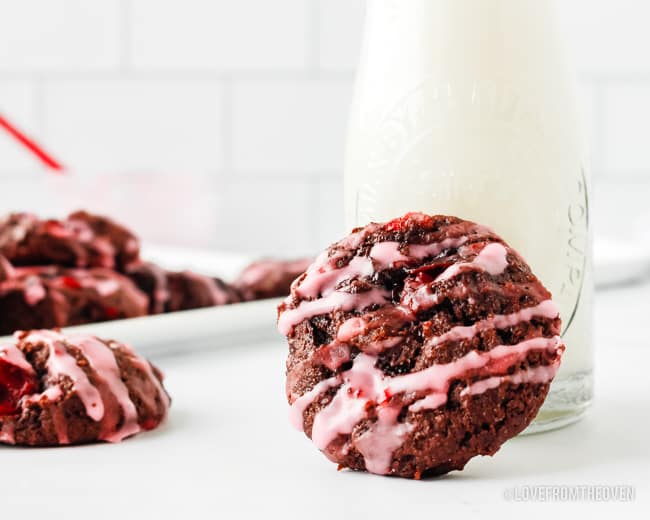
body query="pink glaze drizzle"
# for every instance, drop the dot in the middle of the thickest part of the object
(102, 359)
(539, 374)
(389, 317)
(492, 259)
(334, 301)
(33, 291)
(429, 402)
(322, 277)
(61, 363)
(14, 356)
(378, 346)
(105, 287)
(299, 406)
(387, 254)
(424, 297)
(438, 377)
(380, 441)
(546, 309)
(364, 385)
(50, 394)
(357, 326)
(351, 328)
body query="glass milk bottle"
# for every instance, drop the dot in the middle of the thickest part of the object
(466, 108)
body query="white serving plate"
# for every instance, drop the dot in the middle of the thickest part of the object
(195, 330)
(200, 329)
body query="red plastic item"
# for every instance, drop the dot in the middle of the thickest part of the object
(31, 145)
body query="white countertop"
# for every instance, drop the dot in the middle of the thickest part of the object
(228, 450)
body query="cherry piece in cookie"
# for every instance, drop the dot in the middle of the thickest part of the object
(17, 379)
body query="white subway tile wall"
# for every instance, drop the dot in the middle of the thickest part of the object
(288, 126)
(219, 34)
(265, 215)
(340, 30)
(608, 37)
(134, 124)
(57, 35)
(627, 113)
(218, 123)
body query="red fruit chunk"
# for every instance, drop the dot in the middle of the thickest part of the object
(15, 383)
(56, 229)
(70, 282)
(111, 313)
(398, 224)
(405, 222)
(149, 424)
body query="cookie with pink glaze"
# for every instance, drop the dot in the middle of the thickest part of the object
(81, 240)
(269, 278)
(417, 344)
(60, 390)
(124, 244)
(52, 296)
(151, 279)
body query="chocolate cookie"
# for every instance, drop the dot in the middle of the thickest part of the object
(52, 296)
(269, 278)
(59, 390)
(81, 240)
(417, 344)
(125, 245)
(189, 290)
(152, 280)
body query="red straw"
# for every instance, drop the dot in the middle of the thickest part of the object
(28, 143)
